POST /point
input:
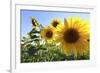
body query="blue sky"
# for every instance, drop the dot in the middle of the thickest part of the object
(45, 17)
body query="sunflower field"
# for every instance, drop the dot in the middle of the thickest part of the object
(59, 41)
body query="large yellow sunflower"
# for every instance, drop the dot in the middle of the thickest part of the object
(48, 34)
(73, 36)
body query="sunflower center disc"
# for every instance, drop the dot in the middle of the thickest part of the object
(55, 23)
(33, 22)
(71, 36)
(49, 34)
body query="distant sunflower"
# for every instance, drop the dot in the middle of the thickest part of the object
(55, 22)
(48, 33)
(73, 36)
(34, 22)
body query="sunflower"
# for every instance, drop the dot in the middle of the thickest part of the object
(55, 22)
(48, 34)
(34, 22)
(73, 36)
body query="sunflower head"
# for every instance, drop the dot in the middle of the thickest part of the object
(73, 36)
(55, 22)
(34, 22)
(48, 34)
